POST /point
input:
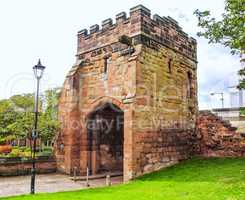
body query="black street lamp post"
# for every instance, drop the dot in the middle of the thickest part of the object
(38, 72)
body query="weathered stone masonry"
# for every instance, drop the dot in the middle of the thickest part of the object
(143, 68)
(217, 138)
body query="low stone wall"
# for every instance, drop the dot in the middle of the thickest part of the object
(163, 148)
(218, 138)
(20, 166)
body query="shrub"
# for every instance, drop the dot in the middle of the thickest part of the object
(242, 111)
(14, 153)
(2, 141)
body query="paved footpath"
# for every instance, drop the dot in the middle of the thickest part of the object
(11, 186)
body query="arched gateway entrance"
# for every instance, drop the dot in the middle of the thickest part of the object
(105, 135)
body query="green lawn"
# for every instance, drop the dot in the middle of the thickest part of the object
(208, 179)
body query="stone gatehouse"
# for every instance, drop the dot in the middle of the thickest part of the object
(129, 103)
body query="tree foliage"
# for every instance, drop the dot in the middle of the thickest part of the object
(230, 30)
(24, 102)
(49, 123)
(7, 117)
(17, 117)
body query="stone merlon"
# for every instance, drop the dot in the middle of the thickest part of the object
(94, 28)
(121, 16)
(106, 23)
(83, 32)
(163, 30)
(140, 9)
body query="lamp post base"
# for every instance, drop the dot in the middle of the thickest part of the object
(33, 177)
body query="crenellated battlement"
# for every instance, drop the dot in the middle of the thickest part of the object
(142, 28)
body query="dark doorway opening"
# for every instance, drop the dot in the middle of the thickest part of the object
(105, 130)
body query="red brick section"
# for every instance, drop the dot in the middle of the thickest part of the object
(159, 105)
(16, 166)
(218, 138)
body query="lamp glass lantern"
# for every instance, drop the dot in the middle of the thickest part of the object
(38, 70)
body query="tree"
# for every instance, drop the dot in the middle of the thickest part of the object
(47, 127)
(16, 116)
(51, 101)
(24, 102)
(22, 127)
(230, 30)
(7, 117)
(48, 123)
(23, 106)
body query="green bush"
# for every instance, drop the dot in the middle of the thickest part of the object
(242, 111)
(3, 141)
(50, 149)
(3, 155)
(25, 152)
(15, 153)
(20, 152)
(45, 153)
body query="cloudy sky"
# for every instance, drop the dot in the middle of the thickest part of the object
(32, 29)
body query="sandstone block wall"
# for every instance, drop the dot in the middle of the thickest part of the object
(165, 111)
(151, 79)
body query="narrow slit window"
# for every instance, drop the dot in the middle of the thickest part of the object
(170, 62)
(189, 85)
(105, 65)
